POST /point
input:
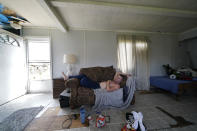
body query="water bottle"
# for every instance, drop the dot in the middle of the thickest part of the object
(82, 114)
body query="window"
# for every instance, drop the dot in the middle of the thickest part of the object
(130, 49)
(125, 56)
(39, 63)
(133, 59)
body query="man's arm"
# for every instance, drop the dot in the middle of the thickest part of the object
(112, 86)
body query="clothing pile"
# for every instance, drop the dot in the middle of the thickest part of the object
(181, 73)
(134, 122)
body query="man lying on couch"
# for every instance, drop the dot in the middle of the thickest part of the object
(92, 83)
(110, 85)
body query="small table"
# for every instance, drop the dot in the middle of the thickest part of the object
(58, 87)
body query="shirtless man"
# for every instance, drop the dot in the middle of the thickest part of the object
(110, 85)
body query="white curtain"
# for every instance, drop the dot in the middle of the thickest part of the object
(132, 53)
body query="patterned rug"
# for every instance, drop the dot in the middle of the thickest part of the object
(18, 120)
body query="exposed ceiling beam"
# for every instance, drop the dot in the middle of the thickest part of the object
(189, 34)
(139, 9)
(61, 25)
(190, 30)
(123, 31)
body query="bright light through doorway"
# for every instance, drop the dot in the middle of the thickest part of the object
(39, 59)
(39, 65)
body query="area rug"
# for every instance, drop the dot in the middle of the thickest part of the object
(18, 120)
(51, 120)
(147, 92)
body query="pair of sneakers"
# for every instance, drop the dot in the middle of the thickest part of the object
(134, 121)
(137, 122)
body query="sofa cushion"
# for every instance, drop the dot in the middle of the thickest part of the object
(108, 73)
(99, 74)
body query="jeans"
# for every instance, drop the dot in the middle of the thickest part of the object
(86, 82)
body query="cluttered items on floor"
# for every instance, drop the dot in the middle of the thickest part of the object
(180, 73)
(134, 122)
(53, 120)
(73, 121)
(82, 114)
(99, 122)
(64, 98)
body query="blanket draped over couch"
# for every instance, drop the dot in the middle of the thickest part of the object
(114, 99)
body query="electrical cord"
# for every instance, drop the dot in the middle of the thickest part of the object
(69, 119)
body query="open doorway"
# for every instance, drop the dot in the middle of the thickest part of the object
(39, 65)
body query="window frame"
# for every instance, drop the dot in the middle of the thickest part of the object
(39, 38)
(8, 42)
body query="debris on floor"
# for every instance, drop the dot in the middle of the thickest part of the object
(134, 122)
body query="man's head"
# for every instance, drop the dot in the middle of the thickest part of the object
(117, 78)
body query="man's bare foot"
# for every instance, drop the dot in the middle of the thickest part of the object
(65, 77)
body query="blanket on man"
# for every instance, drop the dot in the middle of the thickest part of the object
(114, 99)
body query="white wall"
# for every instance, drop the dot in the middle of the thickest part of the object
(98, 48)
(191, 45)
(192, 49)
(65, 43)
(12, 71)
(101, 48)
(165, 49)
